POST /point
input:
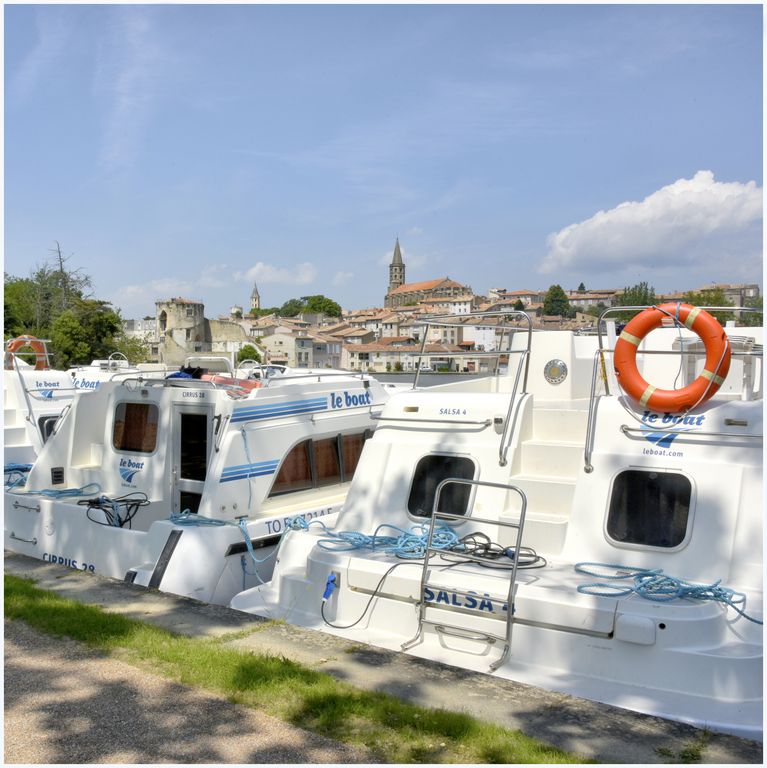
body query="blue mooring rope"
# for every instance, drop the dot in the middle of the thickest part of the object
(653, 584)
(64, 493)
(408, 544)
(16, 474)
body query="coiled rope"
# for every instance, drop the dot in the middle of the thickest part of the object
(118, 512)
(653, 584)
(63, 493)
(16, 474)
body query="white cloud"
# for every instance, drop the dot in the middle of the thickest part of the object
(300, 274)
(54, 31)
(129, 64)
(696, 224)
(161, 288)
(342, 278)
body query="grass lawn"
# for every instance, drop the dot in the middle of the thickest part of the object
(396, 732)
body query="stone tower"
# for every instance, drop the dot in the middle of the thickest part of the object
(396, 269)
(255, 299)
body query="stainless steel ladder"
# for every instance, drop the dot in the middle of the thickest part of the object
(441, 626)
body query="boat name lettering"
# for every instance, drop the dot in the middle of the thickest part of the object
(130, 464)
(47, 384)
(277, 526)
(669, 418)
(347, 400)
(452, 411)
(86, 383)
(68, 562)
(193, 394)
(470, 600)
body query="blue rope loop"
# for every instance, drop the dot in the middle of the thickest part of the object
(16, 475)
(653, 584)
(187, 517)
(64, 493)
(406, 544)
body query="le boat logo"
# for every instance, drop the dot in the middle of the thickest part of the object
(86, 383)
(470, 600)
(46, 388)
(128, 469)
(664, 439)
(348, 400)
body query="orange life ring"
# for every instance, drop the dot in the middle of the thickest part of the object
(711, 334)
(21, 342)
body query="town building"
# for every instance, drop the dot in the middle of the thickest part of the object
(402, 294)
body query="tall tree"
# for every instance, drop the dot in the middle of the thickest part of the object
(638, 295)
(556, 302)
(86, 331)
(710, 297)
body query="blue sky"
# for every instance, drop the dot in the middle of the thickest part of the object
(190, 150)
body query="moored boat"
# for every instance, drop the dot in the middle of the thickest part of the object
(547, 527)
(186, 484)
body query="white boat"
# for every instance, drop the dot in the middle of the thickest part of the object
(531, 526)
(187, 484)
(34, 395)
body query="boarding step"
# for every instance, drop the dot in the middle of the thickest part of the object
(10, 416)
(564, 424)
(546, 494)
(546, 457)
(15, 436)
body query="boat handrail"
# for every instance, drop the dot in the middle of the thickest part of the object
(362, 375)
(682, 433)
(593, 401)
(504, 448)
(449, 321)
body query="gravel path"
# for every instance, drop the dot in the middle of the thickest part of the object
(65, 703)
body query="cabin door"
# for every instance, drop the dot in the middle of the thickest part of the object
(192, 438)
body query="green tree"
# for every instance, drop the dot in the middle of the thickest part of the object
(519, 305)
(582, 288)
(291, 308)
(710, 297)
(556, 302)
(135, 349)
(248, 352)
(85, 332)
(752, 318)
(323, 304)
(639, 295)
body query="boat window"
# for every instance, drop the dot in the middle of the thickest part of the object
(135, 427)
(326, 461)
(649, 508)
(429, 473)
(352, 450)
(315, 463)
(296, 471)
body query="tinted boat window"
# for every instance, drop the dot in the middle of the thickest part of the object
(649, 508)
(429, 473)
(135, 427)
(296, 471)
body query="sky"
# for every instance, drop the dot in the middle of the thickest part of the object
(194, 150)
